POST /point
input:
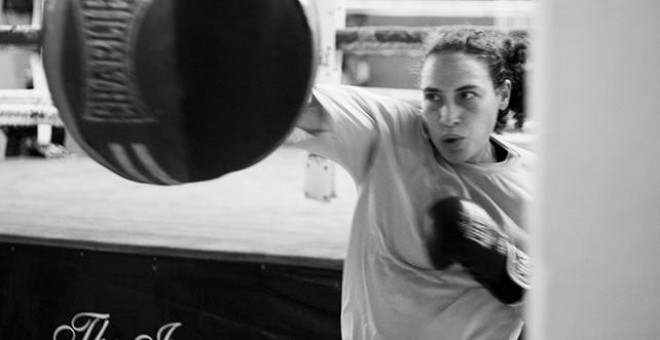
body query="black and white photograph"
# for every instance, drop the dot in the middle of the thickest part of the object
(329, 169)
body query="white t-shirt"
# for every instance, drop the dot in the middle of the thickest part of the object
(390, 290)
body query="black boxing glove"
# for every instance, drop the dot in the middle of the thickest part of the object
(463, 232)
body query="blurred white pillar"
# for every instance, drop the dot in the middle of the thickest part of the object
(597, 222)
(330, 15)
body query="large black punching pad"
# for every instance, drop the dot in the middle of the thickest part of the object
(177, 91)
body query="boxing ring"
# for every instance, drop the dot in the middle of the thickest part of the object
(244, 256)
(75, 202)
(85, 253)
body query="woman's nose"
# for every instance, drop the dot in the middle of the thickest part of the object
(449, 115)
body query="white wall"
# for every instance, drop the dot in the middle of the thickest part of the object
(597, 224)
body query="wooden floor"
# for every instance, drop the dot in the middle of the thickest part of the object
(256, 214)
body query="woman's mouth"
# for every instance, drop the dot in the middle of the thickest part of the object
(451, 139)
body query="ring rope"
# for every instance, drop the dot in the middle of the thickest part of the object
(21, 36)
(381, 39)
(23, 96)
(29, 114)
(352, 39)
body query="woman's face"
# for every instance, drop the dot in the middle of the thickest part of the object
(460, 106)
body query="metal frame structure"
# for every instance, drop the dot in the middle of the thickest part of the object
(30, 107)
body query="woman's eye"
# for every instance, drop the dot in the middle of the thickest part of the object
(432, 97)
(468, 95)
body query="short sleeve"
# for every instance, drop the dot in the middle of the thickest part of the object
(356, 120)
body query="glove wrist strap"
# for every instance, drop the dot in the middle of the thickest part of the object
(518, 266)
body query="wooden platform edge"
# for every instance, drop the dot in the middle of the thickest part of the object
(160, 251)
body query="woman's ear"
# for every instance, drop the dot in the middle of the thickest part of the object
(504, 93)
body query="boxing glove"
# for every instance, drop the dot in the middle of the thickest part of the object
(462, 232)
